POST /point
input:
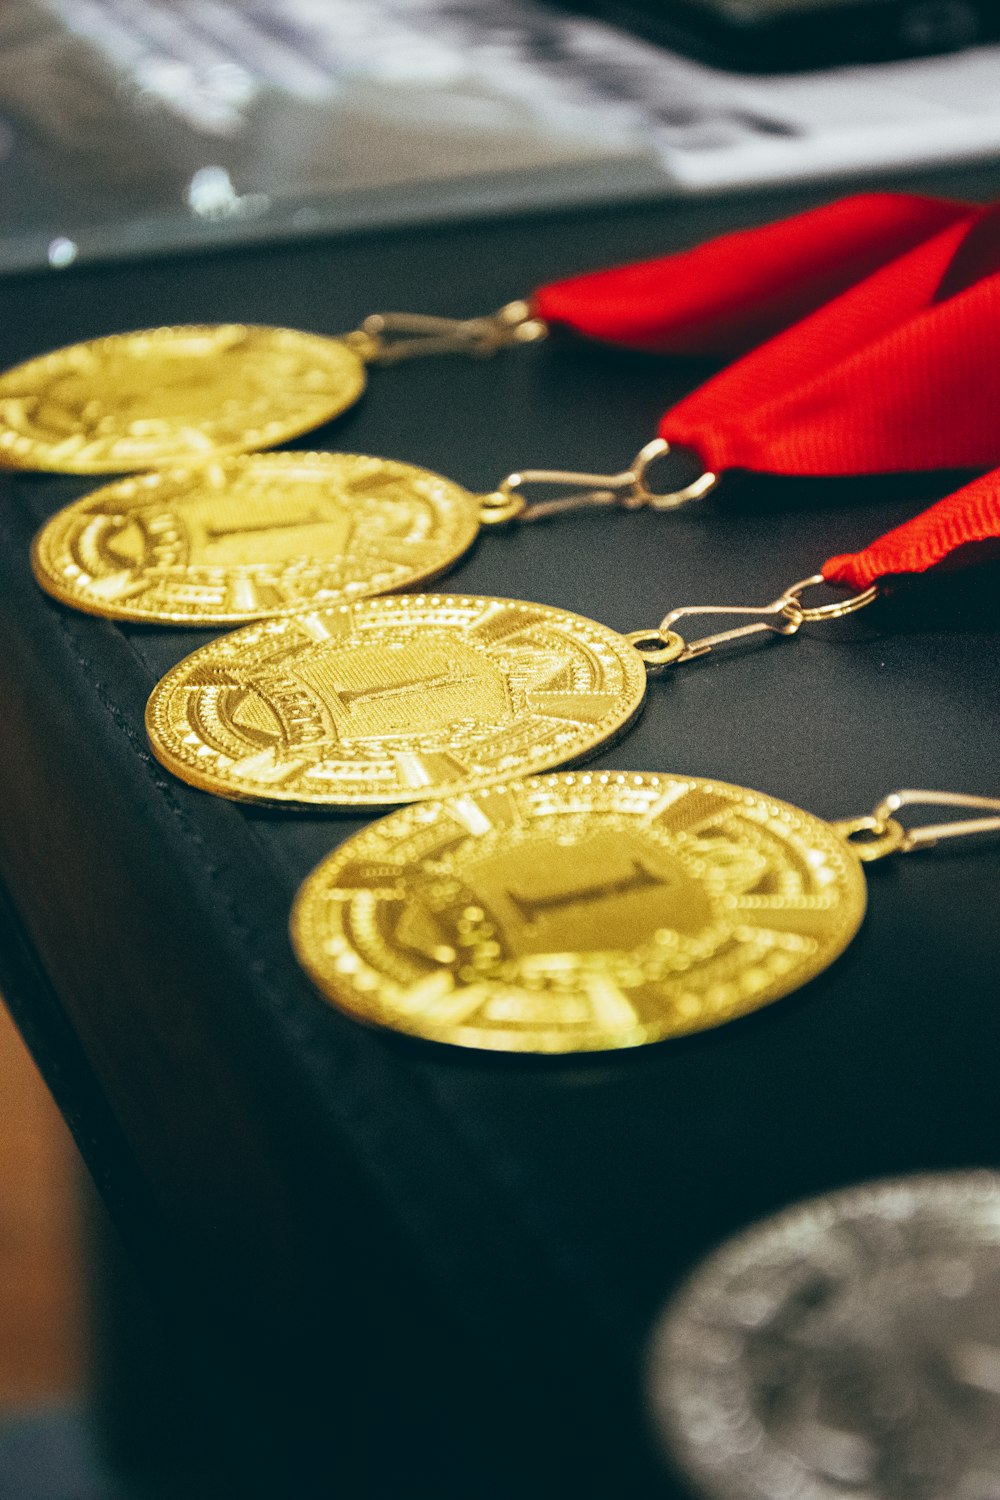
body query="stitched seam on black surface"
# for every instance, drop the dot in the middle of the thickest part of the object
(260, 965)
(246, 931)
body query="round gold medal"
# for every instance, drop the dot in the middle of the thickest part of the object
(578, 912)
(393, 700)
(251, 537)
(165, 397)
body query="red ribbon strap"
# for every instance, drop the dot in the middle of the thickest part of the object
(724, 297)
(934, 539)
(901, 372)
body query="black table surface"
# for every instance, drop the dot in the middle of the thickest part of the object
(399, 1268)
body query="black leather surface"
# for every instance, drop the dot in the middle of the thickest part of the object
(419, 1271)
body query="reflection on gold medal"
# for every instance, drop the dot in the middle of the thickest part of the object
(250, 537)
(165, 397)
(393, 700)
(578, 912)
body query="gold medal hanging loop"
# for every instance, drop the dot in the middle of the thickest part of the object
(880, 833)
(871, 837)
(390, 338)
(628, 489)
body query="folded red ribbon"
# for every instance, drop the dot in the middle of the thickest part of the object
(880, 317)
(900, 373)
(726, 296)
(958, 529)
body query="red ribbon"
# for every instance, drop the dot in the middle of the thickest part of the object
(881, 315)
(950, 533)
(724, 297)
(901, 372)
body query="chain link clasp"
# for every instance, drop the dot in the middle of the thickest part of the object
(388, 338)
(663, 646)
(627, 489)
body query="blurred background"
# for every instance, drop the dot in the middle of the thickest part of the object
(41, 1334)
(92, 1404)
(131, 126)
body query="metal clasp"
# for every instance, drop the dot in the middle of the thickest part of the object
(881, 833)
(627, 489)
(387, 338)
(663, 645)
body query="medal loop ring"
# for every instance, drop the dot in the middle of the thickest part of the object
(658, 648)
(835, 611)
(671, 499)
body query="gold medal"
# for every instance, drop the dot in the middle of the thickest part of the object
(417, 696)
(169, 396)
(406, 698)
(589, 911)
(268, 534)
(165, 397)
(260, 535)
(578, 912)
(393, 700)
